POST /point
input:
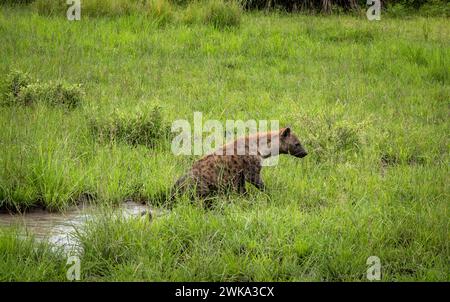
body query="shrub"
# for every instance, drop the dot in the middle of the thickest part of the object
(332, 139)
(222, 14)
(217, 13)
(160, 10)
(51, 93)
(436, 8)
(18, 88)
(145, 127)
(12, 84)
(48, 8)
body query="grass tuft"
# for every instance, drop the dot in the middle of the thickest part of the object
(218, 13)
(159, 10)
(330, 138)
(18, 89)
(51, 93)
(13, 83)
(38, 259)
(146, 127)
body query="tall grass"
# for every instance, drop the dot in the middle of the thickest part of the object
(217, 13)
(163, 9)
(25, 259)
(368, 100)
(144, 127)
(160, 10)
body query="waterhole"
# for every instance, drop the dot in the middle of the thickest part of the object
(58, 228)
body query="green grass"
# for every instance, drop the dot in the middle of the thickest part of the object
(218, 13)
(24, 259)
(158, 9)
(369, 101)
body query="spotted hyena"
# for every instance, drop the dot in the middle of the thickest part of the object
(232, 165)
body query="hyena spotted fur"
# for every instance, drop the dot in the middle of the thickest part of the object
(228, 169)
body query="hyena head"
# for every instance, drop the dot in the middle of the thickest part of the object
(290, 144)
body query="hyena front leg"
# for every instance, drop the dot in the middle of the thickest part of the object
(254, 177)
(237, 184)
(241, 184)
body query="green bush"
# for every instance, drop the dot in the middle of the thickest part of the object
(18, 89)
(146, 127)
(330, 138)
(217, 13)
(52, 93)
(222, 14)
(159, 9)
(435, 8)
(13, 83)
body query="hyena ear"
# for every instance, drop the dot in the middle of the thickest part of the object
(285, 132)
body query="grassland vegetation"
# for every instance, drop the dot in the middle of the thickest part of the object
(369, 101)
(217, 13)
(143, 127)
(25, 259)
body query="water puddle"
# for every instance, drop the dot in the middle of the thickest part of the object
(58, 228)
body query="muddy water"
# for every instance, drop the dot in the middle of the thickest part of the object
(58, 228)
